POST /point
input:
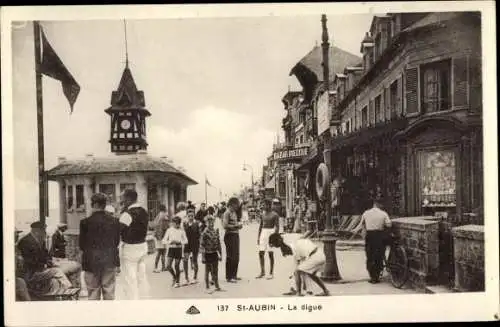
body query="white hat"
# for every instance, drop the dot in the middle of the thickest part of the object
(276, 201)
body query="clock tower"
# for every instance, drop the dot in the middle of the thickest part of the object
(128, 116)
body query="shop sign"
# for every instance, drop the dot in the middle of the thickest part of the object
(323, 113)
(290, 153)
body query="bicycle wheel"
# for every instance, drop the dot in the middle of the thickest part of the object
(398, 266)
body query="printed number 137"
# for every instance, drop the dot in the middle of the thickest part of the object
(223, 307)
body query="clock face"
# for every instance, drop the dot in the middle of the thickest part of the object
(125, 124)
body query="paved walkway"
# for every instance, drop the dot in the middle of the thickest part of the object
(351, 265)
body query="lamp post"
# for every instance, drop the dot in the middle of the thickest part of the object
(329, 236)
(251, 175)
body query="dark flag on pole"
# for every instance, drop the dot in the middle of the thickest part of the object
(51, 65)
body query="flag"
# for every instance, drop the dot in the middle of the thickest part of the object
(52, 66)
(207, 182)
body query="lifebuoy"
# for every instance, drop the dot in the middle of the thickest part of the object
(322, 178)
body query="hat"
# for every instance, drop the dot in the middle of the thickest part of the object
(276, 200)
(38, 224)
(60, 225)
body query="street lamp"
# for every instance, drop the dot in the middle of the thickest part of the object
(251, 170)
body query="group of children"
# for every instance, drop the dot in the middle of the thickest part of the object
(183, 240)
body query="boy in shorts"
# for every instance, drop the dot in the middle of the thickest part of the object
(211, 253)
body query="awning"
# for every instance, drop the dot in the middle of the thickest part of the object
(367, 135)
(270, 184)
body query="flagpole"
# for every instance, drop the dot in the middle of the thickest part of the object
(39, 117)
(205, 188)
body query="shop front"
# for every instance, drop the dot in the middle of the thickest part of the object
(443, 178)
(368, 162)
(443, 167)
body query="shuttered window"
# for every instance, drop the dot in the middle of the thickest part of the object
(400, 97)
(387, 103)
(475, 84)
(393, 99)
(378, 108)
(371, 113)
(460, 83)
(435, 84)
(411, 87)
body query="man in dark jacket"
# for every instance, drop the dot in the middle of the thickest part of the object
(200, 215)
(99, 239)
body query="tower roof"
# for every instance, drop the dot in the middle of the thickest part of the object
(127, 96)
(338, 60)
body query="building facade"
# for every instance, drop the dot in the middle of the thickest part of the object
(410, 128)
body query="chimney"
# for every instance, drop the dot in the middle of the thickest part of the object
(325, 45)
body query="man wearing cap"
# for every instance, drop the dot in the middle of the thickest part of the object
(134, 249)
(269, 224)
(58, 248)
(99, 239)
(41, 275)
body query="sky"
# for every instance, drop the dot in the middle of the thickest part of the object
(213, 87)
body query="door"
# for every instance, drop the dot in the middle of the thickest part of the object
(154, 200)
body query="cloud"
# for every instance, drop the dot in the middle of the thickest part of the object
(214, 141)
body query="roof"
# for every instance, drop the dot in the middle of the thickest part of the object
(431, 19)
(338, 60)
(137, 162)
(127, 96)
(290, 95)
(376, 18)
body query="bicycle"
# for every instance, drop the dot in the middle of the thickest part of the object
(396, 263)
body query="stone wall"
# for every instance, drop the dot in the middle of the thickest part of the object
(420, 238)
(468, 244)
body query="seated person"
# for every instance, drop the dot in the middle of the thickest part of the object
(42, 276)
(58, 248)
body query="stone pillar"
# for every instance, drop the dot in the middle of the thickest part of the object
(468, 246)
(419, 236)
(63, 215)
(87, 194)
(171, 204)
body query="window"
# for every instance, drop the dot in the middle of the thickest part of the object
(435, 86)
(438, 179)
(348, 126)
(393, 98)
(80, 199)
(125, 186)
(364, 117)
(109, 190)
(378, 46)
(69, 197)
(301, 139)
(377, 108)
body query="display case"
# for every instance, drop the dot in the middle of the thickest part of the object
(437, 181)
